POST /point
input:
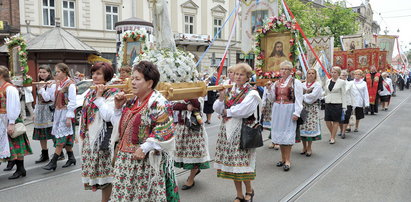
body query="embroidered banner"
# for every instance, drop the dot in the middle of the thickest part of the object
(352, 42)
(325, 44)
(386, 43)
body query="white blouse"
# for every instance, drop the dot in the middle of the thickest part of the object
(315, 94)
(50, 95)
(298, 94)
(387, 81)
(12, 104)
(359, 94)
(243, 110)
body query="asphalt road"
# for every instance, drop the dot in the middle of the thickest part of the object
(370, 165)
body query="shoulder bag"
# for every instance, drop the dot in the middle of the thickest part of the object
(19, 129)
(251, 137)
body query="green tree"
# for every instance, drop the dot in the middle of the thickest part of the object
(332, 20)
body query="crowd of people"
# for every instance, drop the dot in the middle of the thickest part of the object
(131, 143)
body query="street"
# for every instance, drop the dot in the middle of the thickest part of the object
(370, 165)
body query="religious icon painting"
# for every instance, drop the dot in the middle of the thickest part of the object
(276, 42)
(133, 49)
(340, 59)
(276, 48)
(133, 44)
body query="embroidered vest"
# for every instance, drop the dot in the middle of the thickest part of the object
(3, 97)
(285, 94)
(62, 95)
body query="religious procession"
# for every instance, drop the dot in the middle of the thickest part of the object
(185, 100)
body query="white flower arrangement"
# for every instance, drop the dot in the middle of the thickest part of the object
(174, 67)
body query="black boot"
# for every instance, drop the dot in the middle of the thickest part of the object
(44, 156)
(52, 165)
(20, 170)
(61, 157)
(71, 160)
(10, 165)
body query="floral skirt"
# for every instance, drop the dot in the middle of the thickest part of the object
(19, 147)
(96, 166)
(191, 148)
(311, 127)
(136, 180)
(42, 134)
(232, 162)
(266, 114)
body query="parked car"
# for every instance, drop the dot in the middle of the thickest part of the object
(83, 87)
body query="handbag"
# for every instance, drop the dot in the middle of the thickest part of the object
(251, 137)
(303, 117)
(192, 123)
(352, 120)
(19, 129)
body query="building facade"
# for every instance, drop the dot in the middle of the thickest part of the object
(9, 19)
(367, 26)
(193, 22)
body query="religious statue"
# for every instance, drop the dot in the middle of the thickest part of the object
(161, 22)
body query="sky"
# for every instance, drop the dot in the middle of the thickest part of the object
(391, 14)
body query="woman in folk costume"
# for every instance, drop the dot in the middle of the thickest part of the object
(12, 150)
(287, 95)
(266, 111)
(95, 132)
(310, 130)
(360, 99)
(43, 113)
(385, 94)
(236, 105)
(191, 140)
(63, 93)
(335, 102)
(144, 169)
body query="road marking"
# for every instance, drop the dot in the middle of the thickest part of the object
(39, 180)
(307, 184)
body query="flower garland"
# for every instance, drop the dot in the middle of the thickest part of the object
(275, 24)
(174, 67)
(19, 42)
(136, 35)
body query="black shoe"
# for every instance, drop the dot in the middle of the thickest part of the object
(343, 136)
(240, 199)
(303, 152)
(10, 165)
(251, 195)
(43, 157)
(52, 165)
(286, 168)
(308, 154)
(187, 187)
(348, 130)
(280, 163)
(20, 170)
(61, 157)
(71, 160)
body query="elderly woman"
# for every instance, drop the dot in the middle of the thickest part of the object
(95, 132)
(348, 112)
(385, 95)
(236, 105)
(287, 95)
(64, 96)
(144, 169)
(310, 130)
(12, 150)
(360, 98)
(335, 102)
(191, 140)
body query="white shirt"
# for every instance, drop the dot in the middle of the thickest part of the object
(315, 94)
(50, 95)
(387, 81)
(298, 94)
(243, 110)
(359, 94)
(12, 104)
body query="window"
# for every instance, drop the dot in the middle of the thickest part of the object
(217, 26)
(49, 13)
(111, 17)
(68, 13)
(189, 24)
